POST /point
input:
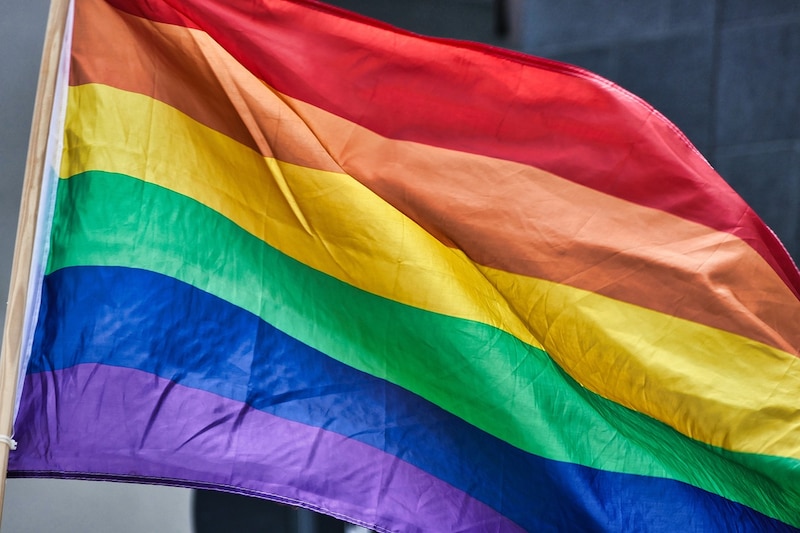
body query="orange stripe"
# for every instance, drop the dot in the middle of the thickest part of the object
(225, 98)
(551, 228)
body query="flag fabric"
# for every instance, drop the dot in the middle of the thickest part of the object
(416, 284)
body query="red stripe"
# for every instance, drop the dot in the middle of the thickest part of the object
(477, 99)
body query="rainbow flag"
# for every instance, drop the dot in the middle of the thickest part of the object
(416, 284)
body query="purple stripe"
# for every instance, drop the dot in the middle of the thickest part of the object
(104, 423)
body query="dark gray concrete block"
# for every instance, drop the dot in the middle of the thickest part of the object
(551, 27)
(737, 11)
(692, 15)
(455, 19)
(759, 83)
(768, 178)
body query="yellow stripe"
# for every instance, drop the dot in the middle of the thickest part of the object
(295, 209)
(711, 385)
(697, 379)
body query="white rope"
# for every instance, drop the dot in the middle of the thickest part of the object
(5, 439)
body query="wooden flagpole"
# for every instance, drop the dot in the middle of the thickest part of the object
(26, 228)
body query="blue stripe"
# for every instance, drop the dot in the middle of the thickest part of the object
(139, 319)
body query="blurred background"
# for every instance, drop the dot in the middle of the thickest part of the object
(726, 72)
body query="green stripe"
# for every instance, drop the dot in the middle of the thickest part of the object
(482, 374)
